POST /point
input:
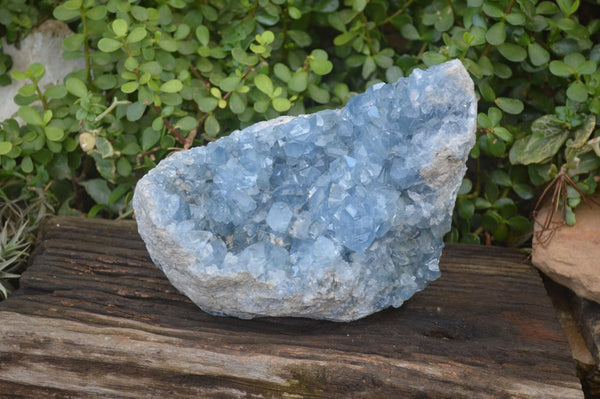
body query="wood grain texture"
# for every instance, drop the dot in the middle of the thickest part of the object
(95, 318)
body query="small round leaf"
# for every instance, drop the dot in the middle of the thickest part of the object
(172, 86)
(109, 45)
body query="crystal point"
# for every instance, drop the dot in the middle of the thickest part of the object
(333, 215)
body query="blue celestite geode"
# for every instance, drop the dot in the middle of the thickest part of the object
(333, 215)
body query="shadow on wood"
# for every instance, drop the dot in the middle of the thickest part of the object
(95, 318)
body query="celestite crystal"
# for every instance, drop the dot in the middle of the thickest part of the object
(333, 215)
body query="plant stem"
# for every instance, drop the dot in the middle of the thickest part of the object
(86, 47)
(170, 127)
(395, 14)
(365, 23)
(41, 96)
(112, 106)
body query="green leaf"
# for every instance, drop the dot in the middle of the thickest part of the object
(495, 146)
(211, 126)
(546, 139)
(318, 94)
(118, 193)
(187, 123)
(326, 6)
(149, 138)
(30, 115)
(73, 42)
(109, 45)
(570, 216)
(54, 133)
(368, 67)
(382, 60)
(105, 147)
(47, 117)
(18, 75)
(321, 67)
(516, 18)
(577, 91)
(433, 58)
(244, 58)
(496, 34)
(525, 191)
(510, 105)
(5, 147)
(574, 60)
(493, 9)
(96, 13)
(167, 44)
(63, 13)
(465, 187)
(587, 67)
(537, 54)
(512, 52)
(294, 12)
(55, 92)
(172, 86)
(484, 121)
(301, 38)
(282, 72)
(409, 32)
(299, 81)
(137, 35)
(267, 37)
(465, 208)
(261, 106)
(491, 220)
(486, 91)
(487, 69)
(36, 71)
(583, 133)
(207, 104)
(135, 111)
(130, 87)
(503, 133)
(124, 167)
(281, 104)
(73, 4)
(559, 68)
(264, 84)
(27, 164)
(203, 35)
(237, 103)
(359, 5)
(119, 26)
(500, 177)
(97, 189)
(230, 83)
(393, 73)
(152, 67)
(28, 90)
(344, 38)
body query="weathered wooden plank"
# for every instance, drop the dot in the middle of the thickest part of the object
(95, 318)
(587, 314)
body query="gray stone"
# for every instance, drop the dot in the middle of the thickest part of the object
(333, 215)
(43, 45)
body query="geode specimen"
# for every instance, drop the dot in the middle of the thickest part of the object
(333, 215)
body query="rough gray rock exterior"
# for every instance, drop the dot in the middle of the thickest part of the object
(333, 215)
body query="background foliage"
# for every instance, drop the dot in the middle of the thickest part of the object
(164, 75)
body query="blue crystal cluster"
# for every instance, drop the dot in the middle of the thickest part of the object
(333, 215)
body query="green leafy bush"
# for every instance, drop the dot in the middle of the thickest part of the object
(165, 75)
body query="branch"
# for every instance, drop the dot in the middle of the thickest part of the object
(170, 127)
